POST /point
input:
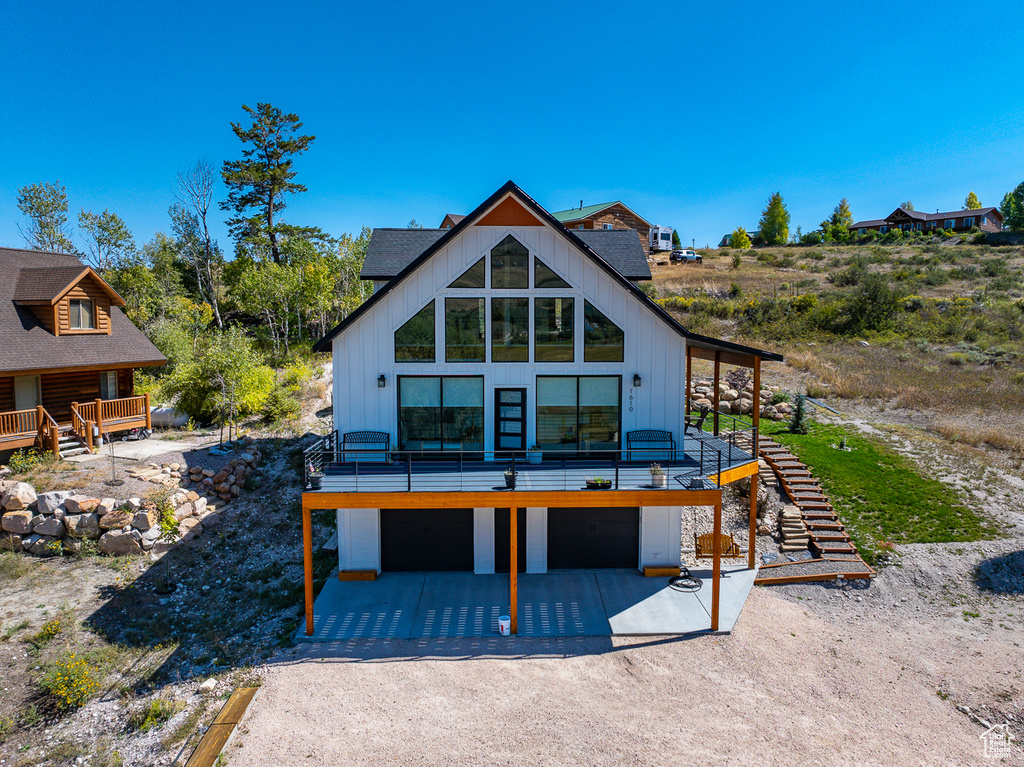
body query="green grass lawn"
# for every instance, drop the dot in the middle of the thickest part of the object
(881, 496)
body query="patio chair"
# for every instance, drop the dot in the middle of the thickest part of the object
(699, 425)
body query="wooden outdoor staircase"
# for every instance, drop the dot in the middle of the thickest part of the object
(835, 555)
(36, 428)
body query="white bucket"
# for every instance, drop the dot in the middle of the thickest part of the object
(504, 625)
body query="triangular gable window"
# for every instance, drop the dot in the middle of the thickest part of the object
(545, 277)
(472, 277)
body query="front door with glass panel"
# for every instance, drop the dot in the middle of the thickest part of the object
(509, 422)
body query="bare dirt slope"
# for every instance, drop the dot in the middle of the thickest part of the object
(792, 684)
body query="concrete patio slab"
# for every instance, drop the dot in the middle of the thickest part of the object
(139, 450)
(645, 606)
(557, 604)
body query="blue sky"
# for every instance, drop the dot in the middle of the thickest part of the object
(692, 114)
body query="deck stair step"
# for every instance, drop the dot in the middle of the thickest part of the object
(824, 527)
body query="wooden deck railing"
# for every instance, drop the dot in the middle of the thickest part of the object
(114, 414)
(125, 409)
(18, 423)
(49, 431)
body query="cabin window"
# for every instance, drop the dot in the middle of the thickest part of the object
(950, 224)
(984, 220)
(883, 229)
(932, 224)
(510, 264)
(545, 277)
(578, 413)
(440, 413)
(579, 226)
(510, 330)
(553, 321)
(968, 223)
(862, 230)
(603, 340)
(414, 341)
(607, 226)
(472, 277)
(108, 385)
(464, 329)
(82, 314)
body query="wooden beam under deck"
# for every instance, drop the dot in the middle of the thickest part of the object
(501, 499)
(724, 357)
(735, 473)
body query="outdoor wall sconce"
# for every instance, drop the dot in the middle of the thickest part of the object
(382, 381)
(637, 380)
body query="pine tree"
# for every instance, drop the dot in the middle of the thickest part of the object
(907, 205)
(774, 223)
(1012, 209)
(971, 202)
(798, 423)
(257, 184)
(837, 226)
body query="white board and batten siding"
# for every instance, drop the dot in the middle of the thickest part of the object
(359, 539)
(366, 349)
(660, 536)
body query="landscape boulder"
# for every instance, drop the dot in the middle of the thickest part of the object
(80, 504)
(134, 504)
(52, 501)
(115, 519)
(106, 506)
(199, 504)
(210, 520)
(18, 496)
(145, 519)
(118, 543)
(19, 522)
(52, 526)
(41, 546)
(184, 511)
(11, 542)
(82, 525)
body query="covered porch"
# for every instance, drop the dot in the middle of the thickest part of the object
(37, 428)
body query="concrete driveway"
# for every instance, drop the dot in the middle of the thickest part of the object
(563, 603)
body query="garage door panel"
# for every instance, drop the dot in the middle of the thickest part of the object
(593, 538)
(426, 539)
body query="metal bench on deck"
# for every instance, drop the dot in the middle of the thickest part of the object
(646, 441)
(374, 444)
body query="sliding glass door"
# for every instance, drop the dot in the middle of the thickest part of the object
(578, 414)
(441, 413)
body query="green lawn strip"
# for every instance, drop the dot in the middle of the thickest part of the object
(880, 495)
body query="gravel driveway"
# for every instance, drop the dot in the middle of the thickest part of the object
(789, 686)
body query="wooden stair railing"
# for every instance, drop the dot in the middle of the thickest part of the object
(80, 426)
(49, 431)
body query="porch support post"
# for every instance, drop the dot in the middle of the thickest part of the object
(755, 413)
(149, 417)
(689, 379)
(307, 564)
(716, 572)
(513, 575)
(753, 522)
(99, 415)
(88, 435)
(40, 434)
(718, 369)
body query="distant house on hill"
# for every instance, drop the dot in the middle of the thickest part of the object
(727, 239)
(450, 220)
(605, 215)
(985, 219)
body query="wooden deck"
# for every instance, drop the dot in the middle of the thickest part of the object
(37, 428)
(218, 733)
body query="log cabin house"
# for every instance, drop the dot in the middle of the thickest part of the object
(505, 364)
(67, 355)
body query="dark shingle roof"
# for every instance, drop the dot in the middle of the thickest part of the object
(391, 250)
(695, 339)
(44, 283)
(28, 345)
(918, 215)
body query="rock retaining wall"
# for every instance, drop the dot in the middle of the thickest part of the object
(736, 397)
(58, 521)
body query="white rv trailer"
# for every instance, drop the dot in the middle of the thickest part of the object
(660, 238)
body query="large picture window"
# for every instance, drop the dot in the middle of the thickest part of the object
(472, 277)
(440, 413)
(602, 338)
(510, 330)
(578, 414)
(545, 277)
(464, 329)
(81, 314)
(414, 341)
(553, 329)
(510, 264)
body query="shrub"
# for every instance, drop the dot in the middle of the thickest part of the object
(70, 682)
(22, 462)
(154, 714)
(851, 275)
(42, 637)
(736, 260)
(280, 405)
(956, 358)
